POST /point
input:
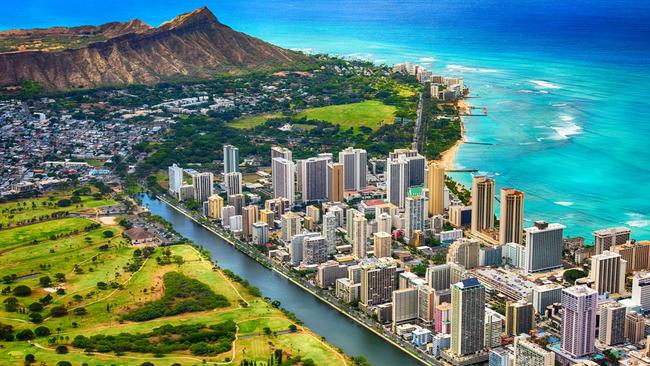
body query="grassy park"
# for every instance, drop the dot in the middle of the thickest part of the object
(60, 294)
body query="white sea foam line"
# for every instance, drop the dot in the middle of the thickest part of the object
(543, 84)
(564, 203)
(468, 69)
(564, 132)
(427, 59)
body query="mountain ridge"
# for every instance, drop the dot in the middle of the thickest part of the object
(192, 45)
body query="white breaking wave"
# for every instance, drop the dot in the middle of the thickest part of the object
(638, 223)
(560, 105)
(427, 59)
(468, 69)
(564, 132)
(564, 203)
(566, 118)
(543, 84)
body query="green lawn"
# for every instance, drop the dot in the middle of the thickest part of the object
(371, 113)
(24, 235)
(253, 121)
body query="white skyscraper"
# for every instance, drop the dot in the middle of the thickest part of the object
(544, 247)
(329, 231)
(397, 181)
(230, 159)
(359, 236)
(233, 183)
(313, 178)
(175, 179)
(608, 272)
(202, 184)
(641, 289)
(284, 172)
(354, 168)
(416, 214)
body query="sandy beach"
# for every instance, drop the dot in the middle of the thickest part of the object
(448, 156)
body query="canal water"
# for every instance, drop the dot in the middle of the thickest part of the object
(318, 316)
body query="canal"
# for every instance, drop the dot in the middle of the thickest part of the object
(318, 316)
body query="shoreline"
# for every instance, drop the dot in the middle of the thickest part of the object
(448, 156)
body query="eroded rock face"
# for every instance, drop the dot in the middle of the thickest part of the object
(194, 44)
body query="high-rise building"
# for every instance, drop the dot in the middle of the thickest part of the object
(608, 272)
(604, 239)
(439, 277)
(467, 314)
(329, 231)
(230, 159)
(384, 223)
(202, 184)
(215, 204)
(335, 188)
(250, 216)
(405, 306)
(355, 166)
(383, 244)
(416, 165)
(493, 328)
(544, 247)
(237, 201)
(500, 357)
(635, 253)
(268, 217)
(236, 223)
(359, 236)
(313, 178)
(278, 205)
(641, 289)
(284, 172)
(291, 226)
(442, 318)
(511, 223)
(545, 295)
(281, 152)
(397, 181)
(520, 317)
(226, 213)
(377, 281)
(416, 214)
(426, 305)
(634, 328)
(528, 353)
(175, 174)
(436, 187)
(612, 324)
(482, 203)
(233, 183)
(314, 250)
(465, 252)
(579, 320)
(260, 233)
(296, 246)
(313, 212)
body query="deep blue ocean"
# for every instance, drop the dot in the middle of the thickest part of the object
(565, 82)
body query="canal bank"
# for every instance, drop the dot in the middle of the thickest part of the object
(318, 313)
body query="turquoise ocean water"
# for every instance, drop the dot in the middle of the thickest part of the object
(565, 83)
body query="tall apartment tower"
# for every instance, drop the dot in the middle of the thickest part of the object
(233, 183)
(335, 187)
(511, 223)
(580, 304)
(641, 289)
(608, 272)
(284, 172)
(215, 204)
(330, 224)
(355, 165)
(383, 244)
(415, 162)
(250, 215)
(482, 203)
(612, 324)
(378, 281)
(416, 214)
(436, 187)
(202, 184)
(313, 178)
(520, 318)
(230, 159)
(359, 236)
(175, 174)
(291, 226)
(397, 181)
(604, 239)
(544, 247)
(468, 313)
(281, 152)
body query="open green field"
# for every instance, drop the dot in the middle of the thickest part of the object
(26, 235)
(371, 113)
(253, 121)
(89, 258)
(22, 211)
